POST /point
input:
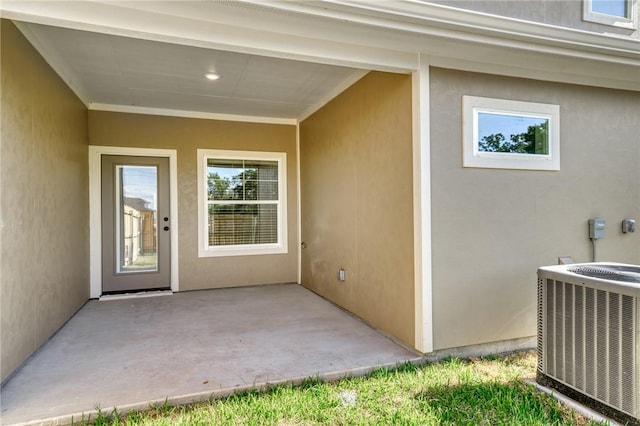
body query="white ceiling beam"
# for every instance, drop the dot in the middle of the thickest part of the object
(218, 28)
(386, 36)
(425, 18)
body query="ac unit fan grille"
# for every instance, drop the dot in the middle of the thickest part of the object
(588, 341)
(540, 326)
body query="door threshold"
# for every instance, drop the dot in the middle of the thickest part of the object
(153, 293)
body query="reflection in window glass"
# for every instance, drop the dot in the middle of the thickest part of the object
(510, 134)
(137, 225)
(243, 202)
(610, 7)
(513, 134)
(242, 180)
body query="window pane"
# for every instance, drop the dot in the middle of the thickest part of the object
(217, 186)
(610, 7)
(262, 180)
(137, 191)
(256, 190)
(242, 224)
(513, 134)
(242, 180)
(266, 170)
(219, 176)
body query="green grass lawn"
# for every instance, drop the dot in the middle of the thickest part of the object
(488, 391)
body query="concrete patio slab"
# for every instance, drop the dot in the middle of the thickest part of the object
(188, 347)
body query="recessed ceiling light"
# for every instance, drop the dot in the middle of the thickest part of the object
(212, 76)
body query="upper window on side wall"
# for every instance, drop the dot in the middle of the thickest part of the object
(506, 134)
(241, 203)
(618, 13)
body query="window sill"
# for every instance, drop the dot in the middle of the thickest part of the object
(242, 251)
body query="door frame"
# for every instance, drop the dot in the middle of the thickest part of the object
(95, 209)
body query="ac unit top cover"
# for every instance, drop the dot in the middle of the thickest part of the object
(620, 277)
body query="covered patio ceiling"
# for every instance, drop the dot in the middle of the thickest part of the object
(115, 72)
(281, 61)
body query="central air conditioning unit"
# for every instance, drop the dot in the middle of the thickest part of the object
(589, 335)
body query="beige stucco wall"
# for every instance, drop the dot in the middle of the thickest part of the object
(493, 228)
(357, 211)
(44, 275)
(187, 135)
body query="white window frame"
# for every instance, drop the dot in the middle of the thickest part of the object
(630, 21)
(473, 157)
(204, 250)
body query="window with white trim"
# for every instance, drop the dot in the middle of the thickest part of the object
(617, 13)
(241, 203)
(507, 134)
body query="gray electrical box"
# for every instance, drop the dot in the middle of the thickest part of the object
(628, 225)
(596, 228)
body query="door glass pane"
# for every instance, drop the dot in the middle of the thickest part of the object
(137, 224)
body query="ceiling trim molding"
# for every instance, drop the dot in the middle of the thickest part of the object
(128, 109)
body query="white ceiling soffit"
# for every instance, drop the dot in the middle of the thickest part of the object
(364, 34)
(422, 17)
(236, 26)
(481, 42)
(107, 71)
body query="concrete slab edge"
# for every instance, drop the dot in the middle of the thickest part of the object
(198, 397)
(574, 405)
